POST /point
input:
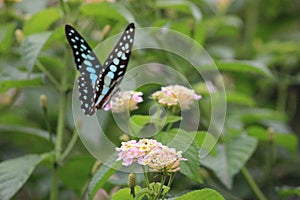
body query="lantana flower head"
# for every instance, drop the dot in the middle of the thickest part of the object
(164, 160)
(124, 101)
(176, 95)
(158, 157)
(133, 151)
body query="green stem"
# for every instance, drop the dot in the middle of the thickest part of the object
(54, 187)
(58, 144)
(252, 184)
(47, 73)
(60, 125)
(269, 163)
(169, 184)
(171, 179)
(45, 111)
(169, 113)
(252, 17)
(70, 146)
(170, 124)
(59, 134)
(161, 184)
(282, 91)
(145, 176)
(63, 7)
(62, 88)
(132, 131)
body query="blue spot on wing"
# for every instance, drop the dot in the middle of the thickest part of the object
(82, 52)
(93, 78)
(115, 67)
(86, 96)
(91, 70)
(111, 75)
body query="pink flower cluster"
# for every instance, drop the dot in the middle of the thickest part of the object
(164, 160)
(158, 157)
(176, 95)
(124, 101)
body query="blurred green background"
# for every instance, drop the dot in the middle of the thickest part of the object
(255, 45)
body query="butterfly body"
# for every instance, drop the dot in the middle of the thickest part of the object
(97, 83)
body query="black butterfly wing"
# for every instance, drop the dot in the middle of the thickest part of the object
(98, 84)
(89, 67)
(114, 68)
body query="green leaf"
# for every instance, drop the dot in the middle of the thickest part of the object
(289, 191)
(26, 130)
(42, 20)
(206, 141)
(200, 32)
(230, 157)
(204, 194)
(31, 48)
(107, 11)
(172, 119)
(101, 177)
(140, 120)
(286, 140)
(15, 172)
(6, 36)
(190, 168)
(257, 115)
(137, 122)
(79, 165)
(258, 132)
(54, 66)
(240, 99)
(180, 5)
(124, 194)
(124, 11)
(30, 82)
(184, 141)
(244, 67)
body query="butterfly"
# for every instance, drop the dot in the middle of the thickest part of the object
(98, 83)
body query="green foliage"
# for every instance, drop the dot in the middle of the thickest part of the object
(31, 48)
(41, 21)
(289, 191)
(255, 47)
(124, 194)
(285, 140)
(101, 177)
(201, 195)
(15, 172)
(29, 82)
(6, 40)
(230, 158)
(180, 139)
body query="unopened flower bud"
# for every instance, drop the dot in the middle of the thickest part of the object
(131, 183)
(96, 167)
(43, 101)
(19, 36)
(105, 30)
(271, 134)
(124, 138)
